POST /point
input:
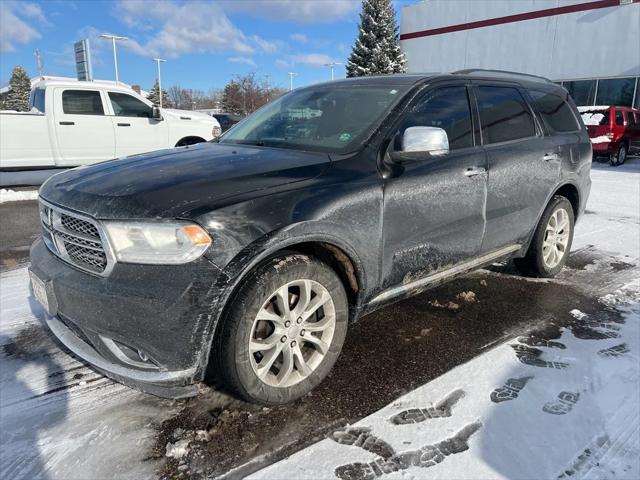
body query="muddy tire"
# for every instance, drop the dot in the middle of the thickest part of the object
(283, 331)
(620, 157)
(551, 242)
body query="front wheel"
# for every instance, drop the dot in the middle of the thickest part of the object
(620, 157)
(284, 330)
(552, 240)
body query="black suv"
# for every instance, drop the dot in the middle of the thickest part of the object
(243, 261)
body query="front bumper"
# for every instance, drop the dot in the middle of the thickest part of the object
(165, 312)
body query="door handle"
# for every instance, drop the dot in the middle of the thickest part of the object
(124, 124)
(550, 156)
(475, 171)
(67, 123)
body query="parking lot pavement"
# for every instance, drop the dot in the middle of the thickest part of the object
(66, 421)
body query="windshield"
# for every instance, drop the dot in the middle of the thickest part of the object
(328, 118)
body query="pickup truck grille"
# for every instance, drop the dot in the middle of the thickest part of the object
(74, 238)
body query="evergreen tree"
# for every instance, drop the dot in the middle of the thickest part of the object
(154, 96)
(18, 96)
(377, 48)
(232, 98)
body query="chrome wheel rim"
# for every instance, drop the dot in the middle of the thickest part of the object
(556, 238)
(292, 333)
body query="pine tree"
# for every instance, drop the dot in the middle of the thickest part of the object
(377, 48)
(232, 98)
(154, 96)
(20, 89)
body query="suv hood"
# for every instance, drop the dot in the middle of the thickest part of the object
(178, 183)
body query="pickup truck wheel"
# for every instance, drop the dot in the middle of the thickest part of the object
(551, 242)
(189, 141)
(283, 331)
(620, 157)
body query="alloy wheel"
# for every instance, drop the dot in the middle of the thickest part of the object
(556, 238)
(292, 333)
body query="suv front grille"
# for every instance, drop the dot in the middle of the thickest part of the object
(74, 238)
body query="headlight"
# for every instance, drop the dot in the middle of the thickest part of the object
(159, 243)
(216, 131)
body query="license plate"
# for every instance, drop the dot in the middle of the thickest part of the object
(40, 291)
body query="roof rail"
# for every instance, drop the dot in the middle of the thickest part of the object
(504, 72)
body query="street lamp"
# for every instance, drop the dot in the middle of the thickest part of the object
(291, 75)
(113, 39)
(331, 65)
(158, 60)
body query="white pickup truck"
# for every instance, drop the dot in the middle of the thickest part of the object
(72, 123)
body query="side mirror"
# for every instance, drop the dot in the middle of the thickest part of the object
(155, 113)
(432, 140)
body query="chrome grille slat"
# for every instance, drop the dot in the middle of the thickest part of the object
(75, 238)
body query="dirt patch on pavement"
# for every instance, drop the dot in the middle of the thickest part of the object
(386, 354)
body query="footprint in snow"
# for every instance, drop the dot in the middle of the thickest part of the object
(439, 410)
(564, 404)
(510, 390)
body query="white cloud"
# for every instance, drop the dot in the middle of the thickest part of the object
(246, 60)
(281, 63)
(194, 27)
(299, 11)
(266, 45)
(13, 27)
(312, 59)
(299, 37)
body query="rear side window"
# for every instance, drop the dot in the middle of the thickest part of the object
(127, 106)
(446, 108)
(619, 118)
(504, 115)
(555, 112)
(630, 118)
(37, 99)
(82, 102)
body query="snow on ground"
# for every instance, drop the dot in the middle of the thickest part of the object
(529, 408)
(7, 195)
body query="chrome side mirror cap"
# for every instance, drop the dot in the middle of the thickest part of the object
(432, 140)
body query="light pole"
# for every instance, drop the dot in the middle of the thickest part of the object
(113, 39)
(158, 60)
(291, 75)
(331, 65)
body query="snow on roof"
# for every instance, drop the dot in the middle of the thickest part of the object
(594, 108)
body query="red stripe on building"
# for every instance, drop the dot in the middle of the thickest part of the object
(520, 17)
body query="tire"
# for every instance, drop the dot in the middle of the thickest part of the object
(541, 260)
(620, 157)
(246, 370)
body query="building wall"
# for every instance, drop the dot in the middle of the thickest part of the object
(594, 43)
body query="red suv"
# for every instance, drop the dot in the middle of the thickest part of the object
(614, 131)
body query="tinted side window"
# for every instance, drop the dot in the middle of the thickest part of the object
(555, 112)
(446, 108)
(127, 106)
(82, 102)
(504, 115)
(619, 119)
(630, 118)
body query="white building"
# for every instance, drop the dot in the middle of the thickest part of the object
(591, 47)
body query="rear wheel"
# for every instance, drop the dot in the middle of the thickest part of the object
(552, 240)
(620, 157)
(284, 330)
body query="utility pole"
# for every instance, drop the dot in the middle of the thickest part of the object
(267, 77)
(113, 39)
(291, 75)
(158, 60)
(331, 66)
(38, 62)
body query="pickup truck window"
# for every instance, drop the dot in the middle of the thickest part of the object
(555, 112)
(82, 102)
(446, 108)
(504, 115)
(36, 99)
(324, 118)
(128, 106)
(619, 118)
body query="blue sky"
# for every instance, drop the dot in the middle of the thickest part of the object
(205, 42)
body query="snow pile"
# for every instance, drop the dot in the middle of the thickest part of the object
(17, 196)
(178, 449)
(600, 139)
